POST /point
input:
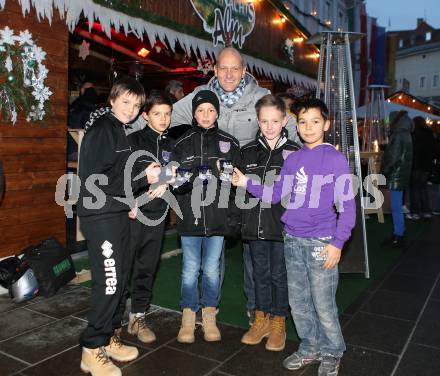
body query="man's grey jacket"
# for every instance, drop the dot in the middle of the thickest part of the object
(240, 120)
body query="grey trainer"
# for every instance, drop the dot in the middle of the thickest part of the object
(299, 360)
(329, 366)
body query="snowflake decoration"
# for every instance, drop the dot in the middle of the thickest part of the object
(25, 37)
(7, 36)
(39, 54)
(22, 77)
(13, 116)
(8, 64)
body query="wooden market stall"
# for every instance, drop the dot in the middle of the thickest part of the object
(33, 155)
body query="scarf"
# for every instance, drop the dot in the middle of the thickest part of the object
(229, 98)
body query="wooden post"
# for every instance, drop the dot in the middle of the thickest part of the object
(77, 135)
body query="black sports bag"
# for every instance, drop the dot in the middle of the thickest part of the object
(52, 265)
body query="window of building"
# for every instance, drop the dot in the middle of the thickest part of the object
(422, 82)
(435, 80)
(328, 11)
(341, 20)
(400, 43)
(428, 36)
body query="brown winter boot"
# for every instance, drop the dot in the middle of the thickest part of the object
(97, 363)
(210, 330)
(137, 325)
(259, 329)
(120, 352)
(277, 336)
(186, 332)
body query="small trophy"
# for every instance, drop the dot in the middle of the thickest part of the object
(205, 174)
(182, 176)
(226, 170)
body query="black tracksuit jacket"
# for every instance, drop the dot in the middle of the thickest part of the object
(160, 146)
(105, 150)
(204, 147)
(257, 158)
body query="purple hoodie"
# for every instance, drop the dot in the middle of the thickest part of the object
(311, 212)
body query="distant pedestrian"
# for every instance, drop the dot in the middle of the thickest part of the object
(175, 89)
(423, 154)
(396, 166)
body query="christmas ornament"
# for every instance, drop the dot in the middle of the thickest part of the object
(205, 66)
(84, 50)
(289, 50)
(22, 77)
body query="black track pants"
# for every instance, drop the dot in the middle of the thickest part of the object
(110, 259)
(147, 246)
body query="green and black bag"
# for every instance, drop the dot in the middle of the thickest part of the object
(52, 265)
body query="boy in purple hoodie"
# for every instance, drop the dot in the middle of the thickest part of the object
(313, 181)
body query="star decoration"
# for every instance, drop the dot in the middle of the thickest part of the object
(84, 50)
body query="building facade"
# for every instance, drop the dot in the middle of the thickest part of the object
(414, 65)
(320, 15)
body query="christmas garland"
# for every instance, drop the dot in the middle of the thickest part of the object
(22, 77)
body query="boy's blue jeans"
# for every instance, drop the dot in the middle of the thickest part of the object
(201, 252)
(270, 277)
(312, 292)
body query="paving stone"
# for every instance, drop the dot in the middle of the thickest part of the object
(395, 304)
(45, 341)
(419, 361)
(256, 360)
(436, 292)
(20, 320)
(170, 362)
(358, 303)
(9, 365)
(377, 333)
(408, 284)
(428, 328)
(62, 305)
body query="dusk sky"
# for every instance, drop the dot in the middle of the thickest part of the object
(403, 14)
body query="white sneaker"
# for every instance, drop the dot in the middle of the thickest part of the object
(412, 216)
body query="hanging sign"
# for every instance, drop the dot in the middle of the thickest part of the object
(228, 21)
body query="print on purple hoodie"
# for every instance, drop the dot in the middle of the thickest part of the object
(313, 181)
